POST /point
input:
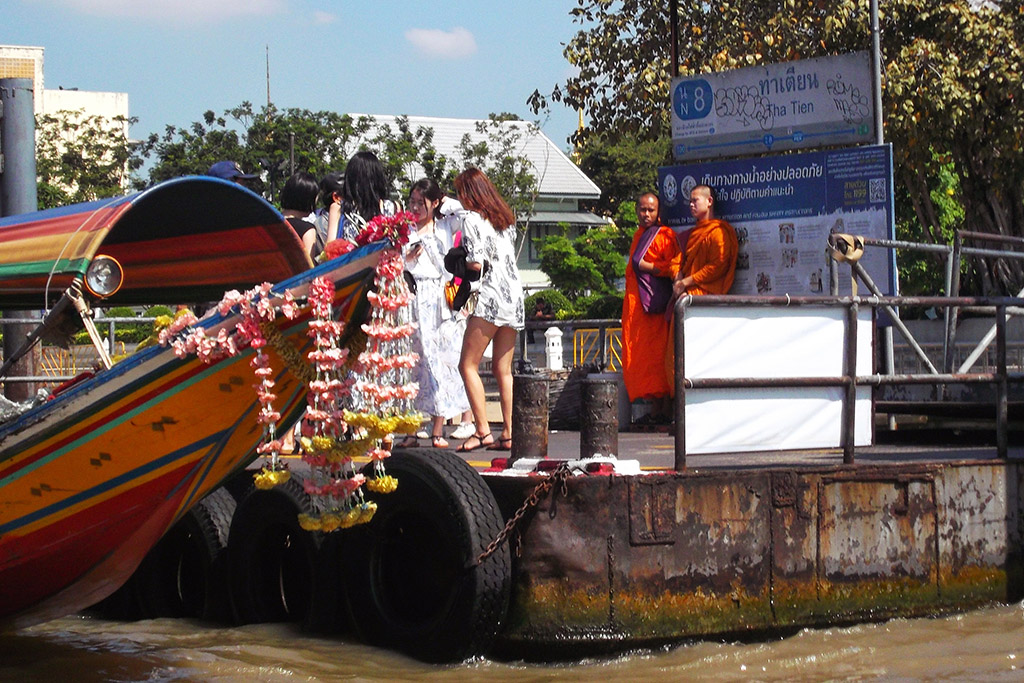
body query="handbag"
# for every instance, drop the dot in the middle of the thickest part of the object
(655, 290)
(450, 289)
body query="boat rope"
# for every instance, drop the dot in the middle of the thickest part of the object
(560, 475)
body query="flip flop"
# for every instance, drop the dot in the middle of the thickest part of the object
(439, 442)
(501, 445)
(480, 443)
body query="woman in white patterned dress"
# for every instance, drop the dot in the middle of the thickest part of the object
(489, 236)
(442, 394)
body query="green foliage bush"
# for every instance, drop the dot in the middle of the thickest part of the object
(127, 333)
(155, 311)
(600, 306)
(570, 272)
(591, 263)
(555, 299)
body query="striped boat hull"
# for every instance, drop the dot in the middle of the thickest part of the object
(90, 481)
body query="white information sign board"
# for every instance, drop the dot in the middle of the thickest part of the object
(808, 103)
(765, 342)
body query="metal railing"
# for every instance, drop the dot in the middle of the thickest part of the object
(953, 255)
(59, 365)
(849, 380)
(597, 343)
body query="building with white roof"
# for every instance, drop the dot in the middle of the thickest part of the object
(561, 183)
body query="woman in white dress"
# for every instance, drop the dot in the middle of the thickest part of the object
(442, 394)
(489, 236)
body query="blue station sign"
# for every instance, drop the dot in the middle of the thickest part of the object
(784, 207)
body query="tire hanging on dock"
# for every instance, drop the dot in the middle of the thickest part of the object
(183, 575)
(270, 559)
(410, 575)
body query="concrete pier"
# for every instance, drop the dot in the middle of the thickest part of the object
(760, 543)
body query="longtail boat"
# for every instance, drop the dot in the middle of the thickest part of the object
(92, 478)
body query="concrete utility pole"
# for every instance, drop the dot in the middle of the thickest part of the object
(17, 195)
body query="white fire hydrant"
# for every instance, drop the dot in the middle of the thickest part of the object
(553, 348)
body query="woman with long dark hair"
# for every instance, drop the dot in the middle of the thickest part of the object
(489, 236)
(364, 193)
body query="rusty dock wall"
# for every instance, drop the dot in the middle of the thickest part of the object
(668, 556)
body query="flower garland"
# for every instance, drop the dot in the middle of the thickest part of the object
(384, 391)
(256, 316)
(380, 398)
(328, 443)
(379, 395)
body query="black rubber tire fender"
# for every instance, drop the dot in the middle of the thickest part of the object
(270, 558)
(183, 575)
(412, 582)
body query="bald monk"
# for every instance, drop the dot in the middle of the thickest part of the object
(645, 335)
(709, 264)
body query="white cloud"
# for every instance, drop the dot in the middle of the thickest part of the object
(432, 42)
(320, 17)
(179, 11)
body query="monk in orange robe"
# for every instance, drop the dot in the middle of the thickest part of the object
(709, 264)
(645, 335)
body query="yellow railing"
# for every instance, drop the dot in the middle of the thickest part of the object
(586, 349)
(57, 362)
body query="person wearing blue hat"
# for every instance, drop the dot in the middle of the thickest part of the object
(229, 170)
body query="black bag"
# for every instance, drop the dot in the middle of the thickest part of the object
(455, 263)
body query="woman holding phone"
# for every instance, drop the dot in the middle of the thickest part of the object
(442, 394)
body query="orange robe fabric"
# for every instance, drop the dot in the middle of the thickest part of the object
(710, 260)
(645, 335)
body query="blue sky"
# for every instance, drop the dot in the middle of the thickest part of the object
(179, 58)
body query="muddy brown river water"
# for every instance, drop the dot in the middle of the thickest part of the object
(986, 644)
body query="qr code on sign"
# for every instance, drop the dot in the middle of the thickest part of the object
(876, 190)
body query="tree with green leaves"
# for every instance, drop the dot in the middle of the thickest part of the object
(264, 142)
(499, 153)
(591, 263)
(624, 167)
(407, 153)
(952, 88)
(80, 158)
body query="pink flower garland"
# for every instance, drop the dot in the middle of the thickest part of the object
(384, 386)
(383, 389)
(254, 307)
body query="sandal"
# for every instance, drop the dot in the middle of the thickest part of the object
(439, 441)
(501, 444)
(480, 443)
(409, 442)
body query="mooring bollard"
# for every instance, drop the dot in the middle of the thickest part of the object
(599, 417)
(529, 417)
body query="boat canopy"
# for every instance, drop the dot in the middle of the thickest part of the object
(185, 240)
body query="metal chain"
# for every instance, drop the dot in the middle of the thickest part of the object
(559, 475)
